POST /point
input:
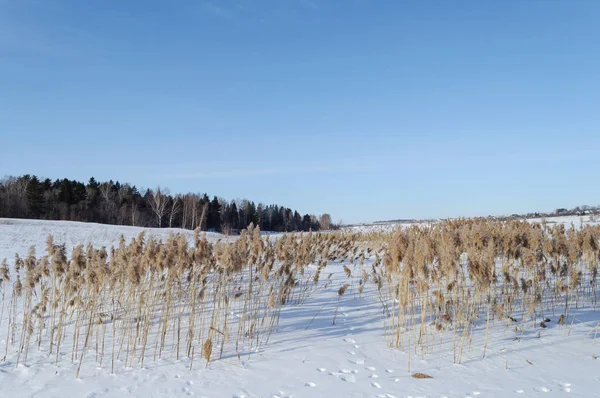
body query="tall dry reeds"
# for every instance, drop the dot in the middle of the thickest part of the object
(446, 277)
(146, 299)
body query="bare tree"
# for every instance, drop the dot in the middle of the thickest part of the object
(203, 216)
(158, 203)
(325, 221)
(134, 213)
(175, 209)
(16, 195)
(188, 214)
(107, 194)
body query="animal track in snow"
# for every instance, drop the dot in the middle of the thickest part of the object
(566, 387)
(351, 352)
(373, 376)
(310, 384)
(281, 394)
(376, 385)
(542, 389)
(358, 361)
(321, 369)
(371, 368)
(389, 370)
(349, 340)
(348, 378)
(520, 391)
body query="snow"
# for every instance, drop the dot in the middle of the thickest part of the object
(567, 221)
(310, 357)
(17, 235)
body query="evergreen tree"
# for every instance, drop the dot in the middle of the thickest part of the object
(214, 215)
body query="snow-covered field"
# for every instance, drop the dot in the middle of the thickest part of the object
(567, 221)
(16, 235)
(309, 356)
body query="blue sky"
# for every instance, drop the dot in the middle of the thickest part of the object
(368, 110)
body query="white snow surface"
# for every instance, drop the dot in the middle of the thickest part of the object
(567, 221)
(18, 235)
(316, 359)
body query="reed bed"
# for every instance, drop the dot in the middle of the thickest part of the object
(437, 284)
(146, 300)
(443, 280)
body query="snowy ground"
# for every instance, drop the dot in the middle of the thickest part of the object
(16, 235)
(577, 221)
(313, 358)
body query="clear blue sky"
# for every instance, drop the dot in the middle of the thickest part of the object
(368, 110)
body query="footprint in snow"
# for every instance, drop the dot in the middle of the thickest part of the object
(310, 384)
(358, 361)
(373, 376)
(348, 378)
(371, 368)
(351, 352)
(376, 385)
(389, 370)
(345, 371)
(356, 346)
(281, 394)
(566, 387)
(520, 391)
(349, 340)
(321, 369)
(542, 389)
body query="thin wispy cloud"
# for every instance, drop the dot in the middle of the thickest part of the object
(212, 171)
(309, 4)
(224, 174)
(231, 10)
(219, 11)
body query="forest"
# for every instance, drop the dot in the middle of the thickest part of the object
(112, 202)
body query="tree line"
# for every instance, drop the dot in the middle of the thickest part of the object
(118, 203)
